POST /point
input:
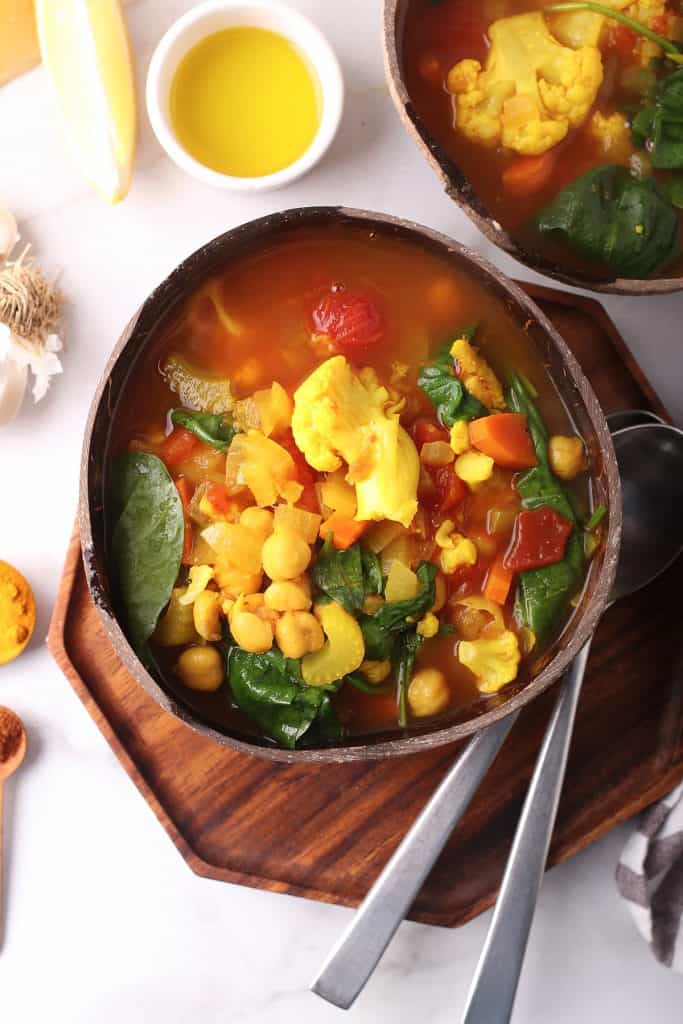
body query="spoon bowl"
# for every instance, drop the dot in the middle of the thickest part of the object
(13, 734)
(650, 458)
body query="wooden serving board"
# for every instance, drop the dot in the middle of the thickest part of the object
(326, 831)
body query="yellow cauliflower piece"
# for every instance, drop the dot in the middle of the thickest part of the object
(460, 437)
(342, 417)
(474, 467)
(477, 375)
(494, 660)
(456, 550)
(200, 577)
(262, 465)
(532, 89)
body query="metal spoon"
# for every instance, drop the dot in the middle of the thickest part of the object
(651, 468)
(360, 947)
(12, 751)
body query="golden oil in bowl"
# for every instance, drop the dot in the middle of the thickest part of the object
(244, 102)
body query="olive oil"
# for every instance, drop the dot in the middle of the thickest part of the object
(244, 102)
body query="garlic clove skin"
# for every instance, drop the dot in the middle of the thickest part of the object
(9, 233)
(13, 380)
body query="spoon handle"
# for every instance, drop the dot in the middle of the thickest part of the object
(360, 947)
(494, 986)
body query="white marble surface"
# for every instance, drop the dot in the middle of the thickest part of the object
(104, 920)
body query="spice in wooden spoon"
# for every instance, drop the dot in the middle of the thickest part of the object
(12, 751)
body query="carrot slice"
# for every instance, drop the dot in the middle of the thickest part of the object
(505, 437)
(498, 582)
(345, 531)
(528, 174)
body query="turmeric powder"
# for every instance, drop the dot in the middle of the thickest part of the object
(17, 613)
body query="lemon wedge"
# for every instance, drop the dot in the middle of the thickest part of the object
(85, 48)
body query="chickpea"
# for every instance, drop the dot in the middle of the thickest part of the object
(440, 593)
(566, 456)
(200, 668)
(428, 692)
(258, 520)
(251, 632)
(234, 582)
(285, 554)
(207, 614)
(287, 596)
(299, 633)
(376, 671)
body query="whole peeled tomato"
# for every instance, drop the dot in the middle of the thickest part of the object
(350, 320)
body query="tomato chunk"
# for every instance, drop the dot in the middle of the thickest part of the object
(178, 446)
(426, 431)
(540, 538)
(450, 488)
(350, 319)
(185, 490)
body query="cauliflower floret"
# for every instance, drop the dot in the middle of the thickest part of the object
(460, 437)
(532, 89)
(456, 550)
(341, 417)
(477, 375)
(613, 135)
(474, 468)
(494, 660)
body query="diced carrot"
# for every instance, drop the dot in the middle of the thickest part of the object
(527, 174)
(185, 490)
(219, 497)
(498, 582)
(178, 446)
(345, 531)
(505, 437)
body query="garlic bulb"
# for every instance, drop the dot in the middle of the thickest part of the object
(9, 233)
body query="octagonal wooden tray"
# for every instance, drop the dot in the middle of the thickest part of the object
(325, 832)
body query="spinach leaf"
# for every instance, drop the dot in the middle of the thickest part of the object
(659, 128)
(373, 580)
(147, 540)
(404, 658)
(347, 577)
(270, 690)
(392, 616)
(609, 216)
(543, 594)
(448, 394)
(379, 642)
(339, 574)
(218, 431)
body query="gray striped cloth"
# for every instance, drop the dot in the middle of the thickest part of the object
(650, 878)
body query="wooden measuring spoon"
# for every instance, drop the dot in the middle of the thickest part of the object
(12, 751)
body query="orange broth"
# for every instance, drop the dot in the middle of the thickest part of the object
(424, 300)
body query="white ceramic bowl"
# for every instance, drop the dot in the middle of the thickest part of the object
(213, 16)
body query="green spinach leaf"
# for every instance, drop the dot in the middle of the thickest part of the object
(404, 658)
(543, 594)
(393, 615)
(218, 431)
(448, 394)
(347, 577)
(147, 540)
(379, 642)
(609, 216)
(659, 128)
(270, 690)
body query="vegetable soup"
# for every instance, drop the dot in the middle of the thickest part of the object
(579, 117)
(345, 495)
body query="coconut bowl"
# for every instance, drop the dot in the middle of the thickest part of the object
(463, 191)
(569, 379)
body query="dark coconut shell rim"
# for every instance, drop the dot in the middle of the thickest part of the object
(566, 373)
(458, 187)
